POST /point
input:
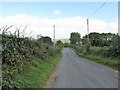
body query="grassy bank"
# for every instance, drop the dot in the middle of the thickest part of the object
(37, 73)
(113, 63)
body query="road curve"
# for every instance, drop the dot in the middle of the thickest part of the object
(76, 72)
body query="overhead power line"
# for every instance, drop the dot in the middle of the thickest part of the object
(92, 16)
(97, 10)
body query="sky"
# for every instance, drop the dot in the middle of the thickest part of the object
(66, 16)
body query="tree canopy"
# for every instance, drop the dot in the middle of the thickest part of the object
(75, 38)
(46, 40)
(103, 39)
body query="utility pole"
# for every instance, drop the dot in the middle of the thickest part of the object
(54, 34)
(88, 29)
(119, 18)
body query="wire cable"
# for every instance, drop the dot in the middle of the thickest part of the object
(97, 10)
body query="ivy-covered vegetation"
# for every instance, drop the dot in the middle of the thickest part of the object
(18, 52)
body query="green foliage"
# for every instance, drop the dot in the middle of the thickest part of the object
(17, 53)
(46, 40)
(59, 42)
(100, 46)
(67, 45)
(38, 72)
(105, 44)
(103, 39)
(59, 45)
(114, 63)
(75, 38)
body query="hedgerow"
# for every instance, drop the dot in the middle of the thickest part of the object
(17, 53)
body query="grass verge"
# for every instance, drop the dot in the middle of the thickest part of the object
(113, 63)
(38, 73)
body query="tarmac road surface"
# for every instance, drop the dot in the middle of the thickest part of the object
(76, 72)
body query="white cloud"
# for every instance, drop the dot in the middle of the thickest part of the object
(57, 12)
(64, 26)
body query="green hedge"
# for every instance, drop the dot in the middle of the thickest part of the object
(17, 53)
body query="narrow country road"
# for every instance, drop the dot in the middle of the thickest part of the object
(76, 72)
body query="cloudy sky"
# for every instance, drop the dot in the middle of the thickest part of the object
(66, 16)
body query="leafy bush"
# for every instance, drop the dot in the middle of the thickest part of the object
(17, 53)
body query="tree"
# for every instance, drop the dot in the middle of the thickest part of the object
(75, 38)
(66, 44)
(46, 40)
(103, 39)
(95, 39)
(59, 42)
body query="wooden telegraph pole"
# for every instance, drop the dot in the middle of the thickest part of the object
(54, 34)
(88, 29)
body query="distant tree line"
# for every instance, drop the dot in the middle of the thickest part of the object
(108, 42)
(103, 39)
